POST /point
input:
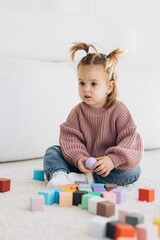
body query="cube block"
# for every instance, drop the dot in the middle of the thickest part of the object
(109, 186)
(85, 185)
(111, 226)
(125, 230)
(98, 189)
(65, 199)
(5, 184)
(98, 227)
(38, 174)
(56, 193)
(98, 185)
(48, 195)
(146, 194)
(37, 203)
(85, 199)
(86, 189)
(120, 195)
(109, 196)
(77, 197)
(69, 190)
(92, 204)
(156, 221)
(146, 231)
(105, 209)
(123, 212)
(134, 218)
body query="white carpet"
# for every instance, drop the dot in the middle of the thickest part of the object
(56, 223)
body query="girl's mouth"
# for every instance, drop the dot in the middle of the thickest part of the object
(87, 96)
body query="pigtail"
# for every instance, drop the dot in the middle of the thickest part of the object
(80, 46)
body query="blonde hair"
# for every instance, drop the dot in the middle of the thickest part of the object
(110, 63)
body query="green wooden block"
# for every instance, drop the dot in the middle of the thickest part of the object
(84, 203)
(86, 189)
(96, 193)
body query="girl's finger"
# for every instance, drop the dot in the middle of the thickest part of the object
(103, 171)
(106, 174)
(101, 167)
(97, 164)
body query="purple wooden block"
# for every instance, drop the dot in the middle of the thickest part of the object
(98, 189)
(90, 162)
(85, 185)
(120, 195)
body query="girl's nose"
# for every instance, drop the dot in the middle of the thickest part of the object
(87, 88)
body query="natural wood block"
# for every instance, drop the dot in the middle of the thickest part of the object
(65, 199)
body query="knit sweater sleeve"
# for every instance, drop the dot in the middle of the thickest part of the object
(72, 141)
(129, 148)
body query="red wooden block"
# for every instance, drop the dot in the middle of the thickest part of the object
(5, 184)
(146, 194)
(124, 230)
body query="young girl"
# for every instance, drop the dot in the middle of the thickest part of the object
(100, 126)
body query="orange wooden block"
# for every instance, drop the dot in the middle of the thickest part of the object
(5, 184)
(74, 186)
(65, 199)
(124, 230)
(146, 194)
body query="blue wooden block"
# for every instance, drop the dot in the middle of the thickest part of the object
(56, 195)
(98, 185)
(38, 174)
(48, 195)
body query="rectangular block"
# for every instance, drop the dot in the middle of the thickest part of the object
(105, 209)
(146, 194)
(37, 203)
(92, 204)
(65, 199)
(109, 196)
(5, 184)
(98, 227)
(120, 195)
(85, 189)
(77, 197)
(146, 231)
(38, 174)
(109, 186)
(125, 230)
(85, 199)
(56, 193)
(134, 218)
(124, 211)
(48, 195)
(156, 221)
(98, 185)
(69, 190)
(98, 189)
(111, 226)
(85, 185)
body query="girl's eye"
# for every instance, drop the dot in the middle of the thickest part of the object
(94, 84)
(81, 83)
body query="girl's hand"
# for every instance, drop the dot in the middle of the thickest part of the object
(103, 166)
(82, 167)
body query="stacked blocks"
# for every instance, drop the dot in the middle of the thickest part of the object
(146, 194)
(106, 209)
(120, 195)
(134, 218)
(38, 174)
(37, 203)
(98, 227)
(65, 199)
(5, 184)
(124, 230)
(146, 231)
(156, 221)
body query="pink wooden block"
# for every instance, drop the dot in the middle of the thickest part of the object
(37, 203)
(146, 231)
(109, 196)
(123, 212)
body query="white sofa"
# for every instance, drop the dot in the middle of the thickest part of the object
(38, 83)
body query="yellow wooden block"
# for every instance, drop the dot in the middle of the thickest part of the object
(65, 199)
(156, 221)
(69, 190)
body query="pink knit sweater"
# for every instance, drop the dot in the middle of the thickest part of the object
(95, 132)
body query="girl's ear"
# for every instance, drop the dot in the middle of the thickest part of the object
(110, 86)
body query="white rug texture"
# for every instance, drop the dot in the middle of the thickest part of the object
(17, 222)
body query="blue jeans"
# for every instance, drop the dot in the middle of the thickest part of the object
(54, 161)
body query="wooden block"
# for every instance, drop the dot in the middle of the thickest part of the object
(92, 204)
(48, 195)
(124, 230)
(85, 185)
(120, 195)
(38, 174)
(5, 184)
(146, 194)
(56, 193)
(123, 212)
(109, 196)
(69, 190)
(74, 186)
(156, 221)
(65, 199)
(98, 185)
(77, 197)
(134, 218)
(146, 231)
(37, 203)
(98, 226)
(85, 199)
(85, 189)
(111, 226)
(98, 189)
(109, 186)
(105, 209)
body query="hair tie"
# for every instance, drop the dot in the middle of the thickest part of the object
(107, 56)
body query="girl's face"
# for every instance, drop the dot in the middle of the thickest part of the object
(93, 85)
